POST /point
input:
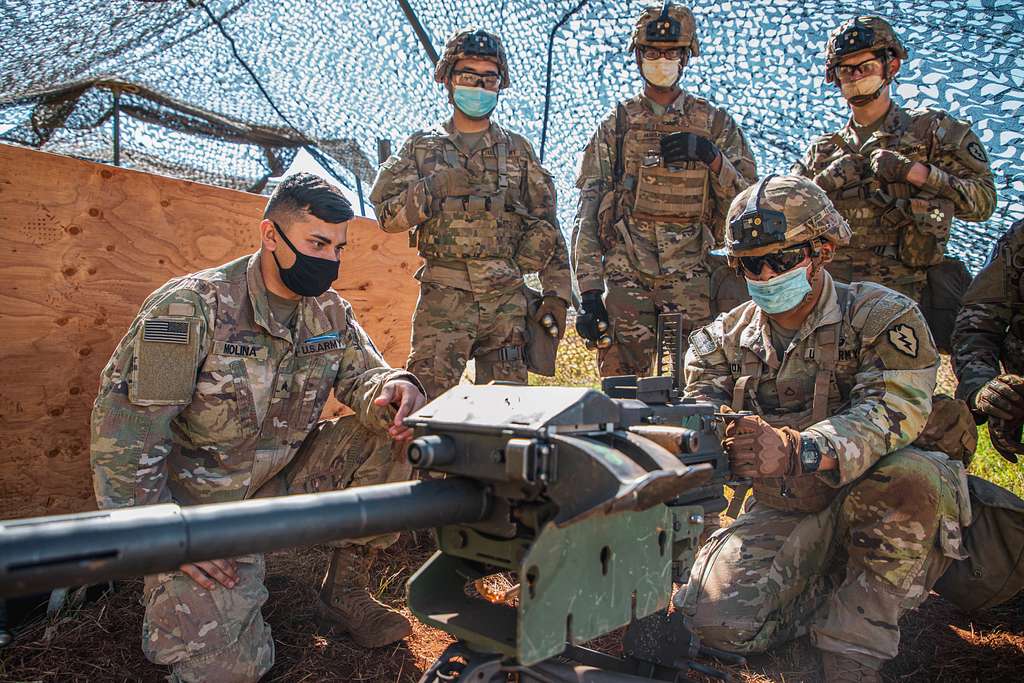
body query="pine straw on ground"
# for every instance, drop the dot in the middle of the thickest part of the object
(99, 642)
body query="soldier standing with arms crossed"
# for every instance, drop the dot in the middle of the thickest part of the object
(482, 212)
(655, 182)
(214, 395)
(849, 526)
(899, 176)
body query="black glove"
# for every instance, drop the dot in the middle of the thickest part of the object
(1002, 397)
(591, 316)
(676, 147)
(1006, 438)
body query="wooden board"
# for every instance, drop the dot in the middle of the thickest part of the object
(82, 245)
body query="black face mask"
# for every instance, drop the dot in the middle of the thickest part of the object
(308, 276)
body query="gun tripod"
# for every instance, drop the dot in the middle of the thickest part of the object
(659, 647)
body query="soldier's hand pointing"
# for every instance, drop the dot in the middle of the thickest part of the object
(406, 398)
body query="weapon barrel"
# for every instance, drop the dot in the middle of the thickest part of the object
(43, 553)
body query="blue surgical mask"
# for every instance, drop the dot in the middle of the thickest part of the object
(475, 103)
(781, 293)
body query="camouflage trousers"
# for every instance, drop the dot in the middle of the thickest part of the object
(452, 325)
(635, 300)
(845, 574)
(220, 635)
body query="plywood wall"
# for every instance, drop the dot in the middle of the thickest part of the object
(81, 246)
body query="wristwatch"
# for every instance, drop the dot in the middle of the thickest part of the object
(810, 454)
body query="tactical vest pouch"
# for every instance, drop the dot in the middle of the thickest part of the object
(940, 302)
(804, 493)
(541, 347)
(467, 227)
(679, 193)
(923, 238)
(993, 571)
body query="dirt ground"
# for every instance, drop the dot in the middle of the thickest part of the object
(99, 641)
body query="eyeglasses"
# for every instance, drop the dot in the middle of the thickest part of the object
(868, 66)
(474, 80)
(666, 53)
(779, 261)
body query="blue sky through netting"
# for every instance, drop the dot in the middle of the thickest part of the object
(355, 71)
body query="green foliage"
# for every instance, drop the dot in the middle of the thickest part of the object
(988, 464)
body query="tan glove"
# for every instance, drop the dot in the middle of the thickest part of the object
(449, 182)
(556, 308)
(892, 167)
(1006, 438)
(758, 450)
(844, 171)
(950, 429)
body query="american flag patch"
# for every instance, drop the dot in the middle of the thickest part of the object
(167, 331)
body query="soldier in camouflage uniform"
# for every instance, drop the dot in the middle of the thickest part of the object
(214, 395)
(989, 331)
(655, 182)
(482, 212)
(899, 176)
(849, 525)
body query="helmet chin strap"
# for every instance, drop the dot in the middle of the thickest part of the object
(861, 100)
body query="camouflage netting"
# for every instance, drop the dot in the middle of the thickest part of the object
(344, 74)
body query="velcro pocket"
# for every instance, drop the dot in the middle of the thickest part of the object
(166, 356)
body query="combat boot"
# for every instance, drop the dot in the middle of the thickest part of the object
(346, 604)
(839, 668)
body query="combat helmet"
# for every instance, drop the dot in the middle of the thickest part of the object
(860, 34)
(779, 212)
(472, 43)
(666, 26)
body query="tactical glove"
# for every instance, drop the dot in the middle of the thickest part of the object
(892, 167)
(554, 308)
(1006, 438)
(843, 172)
(592, 316)
(757, 450)
(950, 429)
(676, 147)
(1001, 397)
(449, 182)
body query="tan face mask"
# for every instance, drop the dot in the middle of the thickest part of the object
(662, 72)
(865, 86)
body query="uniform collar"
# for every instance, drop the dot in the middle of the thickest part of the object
(893, 124)
(489, 139)
(679, 104)
(826, 311)
(312, 321)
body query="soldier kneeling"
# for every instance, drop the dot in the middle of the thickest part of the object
(849, 525)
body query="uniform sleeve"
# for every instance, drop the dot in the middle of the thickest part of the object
(892, 395)
(130, 427)
(805, 166)
(706, 368)
(595, 182)
(738, 171)
(542, 247)
(982, 323)
(960, 172)
(400, 197)
(362, 374)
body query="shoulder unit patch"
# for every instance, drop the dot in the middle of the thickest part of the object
(702, 342)
(904, 338)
